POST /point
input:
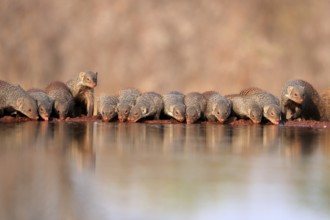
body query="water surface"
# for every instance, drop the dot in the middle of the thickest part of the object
(73, 170)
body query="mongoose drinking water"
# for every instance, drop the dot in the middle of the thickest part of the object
(300, 100)
(174, 105)
(62, 98)
(107, 107)
(126, 100)
(149, 104)
(82, 89)
(218, 107)
(245, 107)
(325, 105)
(195, 106)
(269, 103)
(14, 97)
(44, 103)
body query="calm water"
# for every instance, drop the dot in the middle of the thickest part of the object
(147, 171)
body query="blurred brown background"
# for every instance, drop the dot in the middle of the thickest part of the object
(164, 45)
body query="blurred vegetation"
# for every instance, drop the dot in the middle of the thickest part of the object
(166, 44)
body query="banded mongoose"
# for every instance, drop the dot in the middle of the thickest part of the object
(107, 107)
(174, 105)
(218, 107)
(245, 107)
(325, 105)
(44, 103)
(269, 103)
(15, 98)
(82, 89)
(149, 104)
(126, 99)
(299, 99)
(62, 98)
(251, 91)
(195, 106)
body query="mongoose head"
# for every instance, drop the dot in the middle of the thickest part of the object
(123, 111)
(88, 79)
(61, 109)
(178, 112)
(222, 110)
(255, 113)
(272, 113)
(137, 112)
(45, 110)
(28, 106)
(192, 115)
(296, 93)
(108, 113)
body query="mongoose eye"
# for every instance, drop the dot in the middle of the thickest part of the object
(29, 110)
(295, 94)
(136, 114)
(41, 110)
(126, 112)
(102, 113)
(272, 113)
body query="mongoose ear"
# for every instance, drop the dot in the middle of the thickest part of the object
(19, 87)
(143, 110)
(81, 75)
(290, 88)
(19, 103)
(172, 108)
(266, 108)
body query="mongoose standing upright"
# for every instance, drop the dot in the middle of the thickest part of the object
(107, 107)
(300, 100)
(218, 107)
(174, 105)
(269, 103)
(195, 106)
(325, 105)
(149, 104)
(245, 107)
(14, 97)
(126, 100)
(62, 98)
(44, 103)
(82, 89)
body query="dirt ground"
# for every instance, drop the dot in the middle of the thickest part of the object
(233, 122)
